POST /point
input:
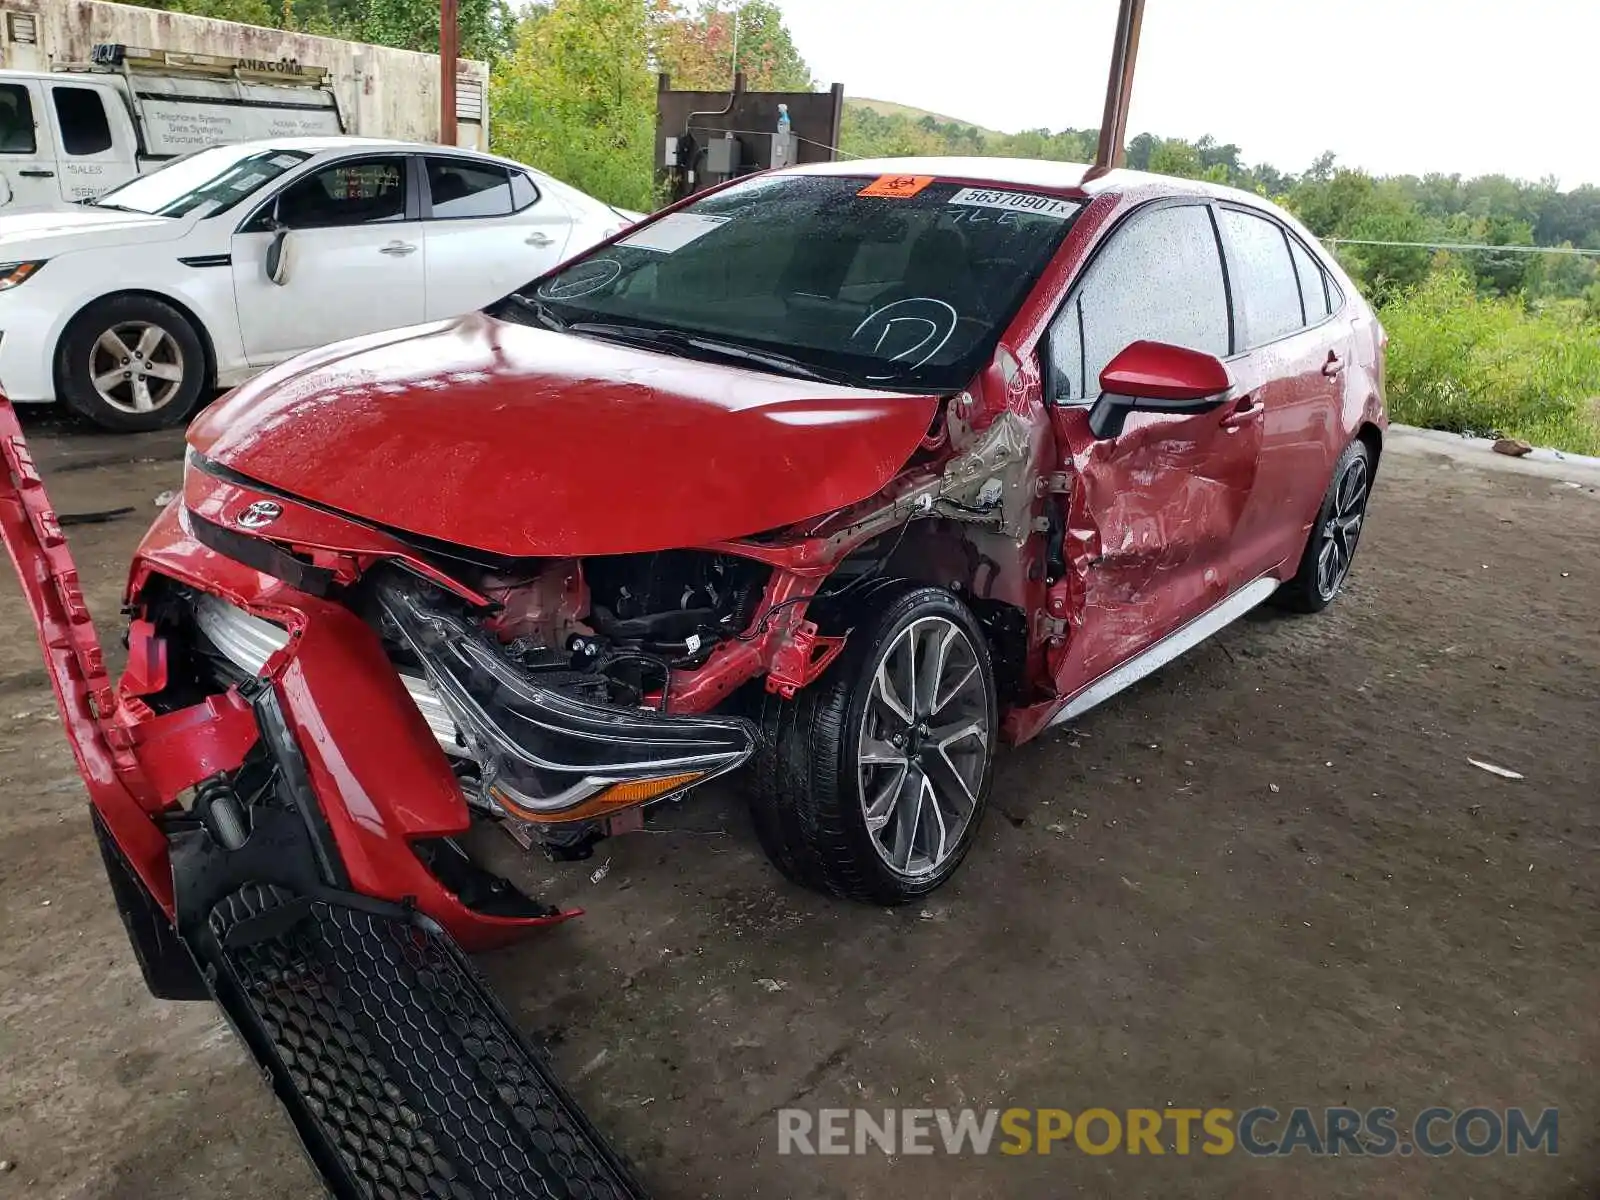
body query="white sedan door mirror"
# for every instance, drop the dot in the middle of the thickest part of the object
(278, 256)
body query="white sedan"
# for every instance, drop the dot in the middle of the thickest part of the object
(195, 277)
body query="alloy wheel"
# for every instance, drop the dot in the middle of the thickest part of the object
(924, 746)
(1342, 528)
(136, 367)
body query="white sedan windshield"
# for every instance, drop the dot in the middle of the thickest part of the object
(204, 183)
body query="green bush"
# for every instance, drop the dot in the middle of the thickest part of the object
(1487, 365)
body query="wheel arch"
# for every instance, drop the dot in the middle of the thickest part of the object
(184, 310)
(1373, 437)
(983, 570)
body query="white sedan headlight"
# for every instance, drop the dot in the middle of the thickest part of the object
(15, 274)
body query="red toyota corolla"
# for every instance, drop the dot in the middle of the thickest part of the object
(836, 477)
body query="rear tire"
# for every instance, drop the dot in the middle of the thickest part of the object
(1331, 546)
(131, 364)
(843, 781)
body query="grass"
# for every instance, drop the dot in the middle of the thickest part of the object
(1486, 365)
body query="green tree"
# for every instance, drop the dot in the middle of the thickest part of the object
(1138, 151)
(576, 98)
(249, 12)
(698, 49)
(486, 26)
(1174, 156)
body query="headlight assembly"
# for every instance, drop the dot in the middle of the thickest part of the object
(15, 274)
(542, 751)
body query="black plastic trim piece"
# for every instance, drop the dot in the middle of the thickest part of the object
(294, 781)
(169, 971)
(208, 260)
(262, 555)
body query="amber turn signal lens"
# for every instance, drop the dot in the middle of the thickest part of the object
(12, 274)
(644, 789)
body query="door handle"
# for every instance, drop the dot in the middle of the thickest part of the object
(538, 239)
(397, 249)
(38, 174)
(1333, 366)
(1245, 410)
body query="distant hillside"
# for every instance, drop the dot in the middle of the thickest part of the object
(888, 108)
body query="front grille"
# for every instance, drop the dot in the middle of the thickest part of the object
(415, 1082)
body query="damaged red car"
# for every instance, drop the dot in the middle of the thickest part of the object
(835, 477)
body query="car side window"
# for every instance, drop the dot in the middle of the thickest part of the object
(16, 121)
(1266, 293)
(1158, 279)
(368, 191)
(523, 192)
(460, 188)
(81, 114)
(1313, 282)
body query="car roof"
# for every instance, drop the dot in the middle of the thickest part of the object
(1073, 178)
(328, 143)
(316, 143)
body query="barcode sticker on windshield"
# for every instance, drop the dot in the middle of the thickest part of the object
(1018, 202)
(673, 232)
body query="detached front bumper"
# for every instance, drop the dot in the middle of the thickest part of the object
(291, 888)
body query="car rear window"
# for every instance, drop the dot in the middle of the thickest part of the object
(460, 188)
(904, 284)
(1313, 286)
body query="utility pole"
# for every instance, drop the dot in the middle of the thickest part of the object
(449, 51)
(1119, 87)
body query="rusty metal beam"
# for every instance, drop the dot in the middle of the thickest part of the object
(1119, 87)
(449, 52)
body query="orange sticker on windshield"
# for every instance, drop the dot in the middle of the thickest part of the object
(896, 187)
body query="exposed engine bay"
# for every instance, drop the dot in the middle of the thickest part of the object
(620, 625)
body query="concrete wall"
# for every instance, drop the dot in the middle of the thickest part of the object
(382, 92)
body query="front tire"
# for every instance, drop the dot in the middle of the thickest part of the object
(1330, 550)
(871, 783)
(131, 364)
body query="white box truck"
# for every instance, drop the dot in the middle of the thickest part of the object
(94, 93)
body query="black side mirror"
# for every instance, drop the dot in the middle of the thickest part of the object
(1157, 377)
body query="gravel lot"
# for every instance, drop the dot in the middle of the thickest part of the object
(1267, 875)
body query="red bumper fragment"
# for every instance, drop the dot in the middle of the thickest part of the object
(376, 774)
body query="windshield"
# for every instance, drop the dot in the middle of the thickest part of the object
(206, 182)
(900, 282)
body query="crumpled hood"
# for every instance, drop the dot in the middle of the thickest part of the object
(521, 441)
(43, 232)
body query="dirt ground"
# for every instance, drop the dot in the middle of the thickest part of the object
(1267, 875)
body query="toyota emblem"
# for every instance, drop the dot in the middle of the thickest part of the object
(262, 512)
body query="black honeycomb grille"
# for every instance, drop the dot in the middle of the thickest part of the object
(410, 1073)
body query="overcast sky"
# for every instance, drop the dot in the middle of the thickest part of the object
(1474, 86)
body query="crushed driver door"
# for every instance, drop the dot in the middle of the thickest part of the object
(1145, 528)
(1150, 522)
